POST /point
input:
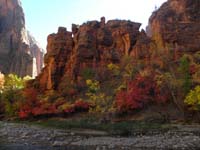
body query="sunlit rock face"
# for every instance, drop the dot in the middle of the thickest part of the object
(91, 45)
(19, 52)
(176, 24)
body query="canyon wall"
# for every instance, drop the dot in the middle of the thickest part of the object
(19, 52)
(91, 45)
(176, 24)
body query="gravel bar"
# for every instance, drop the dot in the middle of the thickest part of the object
(14, 136)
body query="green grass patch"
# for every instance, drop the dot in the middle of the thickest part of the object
(124, 128)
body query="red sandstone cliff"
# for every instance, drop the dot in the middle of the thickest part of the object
(92, 45)
(176, 24)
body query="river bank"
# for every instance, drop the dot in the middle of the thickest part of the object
(22, 136)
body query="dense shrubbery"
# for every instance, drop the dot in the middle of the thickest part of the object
(11, 94)
(35, 107)
(125, 87)
(27, 103)
(140, 92)
(99, 101)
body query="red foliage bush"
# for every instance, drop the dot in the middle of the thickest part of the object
(81, 105)
(69, 110)
(139, 92)
(58, 103)
(44, 109)
(72, 92)
(78, 106)
(23, 114)
(33, 107)
(30, 102)
(192, 69)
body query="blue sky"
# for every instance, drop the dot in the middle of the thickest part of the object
(43, 17)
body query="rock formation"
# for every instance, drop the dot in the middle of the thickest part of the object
(176, 24)
(91, 45)
(19, 52)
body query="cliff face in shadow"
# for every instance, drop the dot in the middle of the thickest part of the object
(19, 52)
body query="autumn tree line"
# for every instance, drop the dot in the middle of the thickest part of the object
(125, 88)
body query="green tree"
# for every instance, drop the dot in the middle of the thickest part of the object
(11, 93)
(13, 82)
(184, 69)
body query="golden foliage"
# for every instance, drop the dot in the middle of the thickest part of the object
(193, 99)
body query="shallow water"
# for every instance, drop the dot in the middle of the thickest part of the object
(30, 147)
(23, 147)
(8, 146)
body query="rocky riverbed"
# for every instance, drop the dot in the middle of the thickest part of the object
(22, 136)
